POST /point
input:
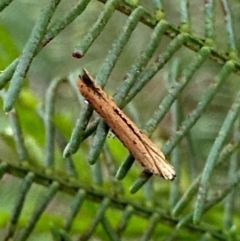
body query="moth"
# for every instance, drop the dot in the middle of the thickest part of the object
(140, 146)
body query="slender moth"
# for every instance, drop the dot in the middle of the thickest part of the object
(141, 147)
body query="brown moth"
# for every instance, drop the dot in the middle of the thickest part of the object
(141, 147)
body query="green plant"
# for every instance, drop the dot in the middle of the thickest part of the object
(193, 77)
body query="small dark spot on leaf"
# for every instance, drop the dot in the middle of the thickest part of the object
(77, 55)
